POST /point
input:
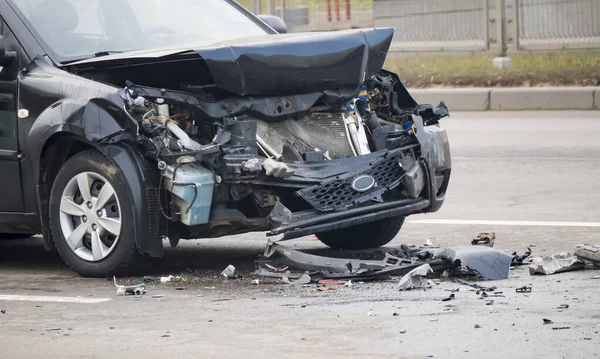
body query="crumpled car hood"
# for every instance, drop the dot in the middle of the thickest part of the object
(277, 64)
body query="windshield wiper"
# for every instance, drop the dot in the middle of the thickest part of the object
(106, 53)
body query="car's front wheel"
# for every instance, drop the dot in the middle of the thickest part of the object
(364, 236)
(91, 217)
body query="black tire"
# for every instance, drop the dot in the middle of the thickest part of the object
(124, 258)
(364, 236)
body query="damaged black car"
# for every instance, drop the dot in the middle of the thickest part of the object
(125, 122)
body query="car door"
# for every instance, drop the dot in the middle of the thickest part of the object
(11, 196)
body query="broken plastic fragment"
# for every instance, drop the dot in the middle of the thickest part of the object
(304, 279)
(228, 272)
(485, 239)
(588, 252)
(138, 289)
(560, 262)
(413, 279)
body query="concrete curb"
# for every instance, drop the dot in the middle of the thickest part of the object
(514, 98)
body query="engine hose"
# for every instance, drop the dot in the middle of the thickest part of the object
(183, 137)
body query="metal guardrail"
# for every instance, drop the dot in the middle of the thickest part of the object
(451, 25)
(558, 24)
(434, 25)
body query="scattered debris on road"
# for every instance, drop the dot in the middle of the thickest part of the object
(228, 272)
(479, 287)
(168, 278)
(588, 252)
(449, 298)
(488, 262)
(563, 306)
(304, 279)
(138, 289)
(560, 328)
(158, 296)
(519, 259)
(523, 289)
(255, 282)
(557, 263)
(482, 261)
(485, 239)
(548, 321)
(477, 326)
(414, 278)
(3, 311)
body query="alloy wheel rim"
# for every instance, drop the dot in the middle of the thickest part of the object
(90, 216)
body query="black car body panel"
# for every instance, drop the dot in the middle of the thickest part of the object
(276, 64)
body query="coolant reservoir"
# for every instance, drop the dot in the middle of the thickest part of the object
(191, 186)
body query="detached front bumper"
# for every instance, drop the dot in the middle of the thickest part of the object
(422, 175)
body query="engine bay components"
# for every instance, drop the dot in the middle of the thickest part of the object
(227, 162)
(191, 187)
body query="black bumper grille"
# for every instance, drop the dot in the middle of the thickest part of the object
(338, 193)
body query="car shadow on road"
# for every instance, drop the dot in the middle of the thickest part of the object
(27, 254)
(198, 256)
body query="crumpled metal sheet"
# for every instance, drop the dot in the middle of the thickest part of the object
(490, 263)
(557, 263)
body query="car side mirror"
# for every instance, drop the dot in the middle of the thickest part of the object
(274, 22)
(6, 57)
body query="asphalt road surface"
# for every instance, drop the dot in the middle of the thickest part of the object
(532, 177)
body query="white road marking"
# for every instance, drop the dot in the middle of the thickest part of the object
(43, 298)
(504, 223)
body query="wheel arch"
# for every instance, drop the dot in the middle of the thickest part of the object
(103, 126)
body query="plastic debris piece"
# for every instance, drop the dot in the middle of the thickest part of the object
(304, 279)
(489, 302)
(255, 282)
(137, 290)
(158, 296)
(563, 306)
(558, 263)
(588, 252)
(484, 239)
(168, 279)
(523, 289)
(413, 279)
(560, 328)
(518, 259)
(449, 298)
(228, 272)
(3, 311)
(548, 321)
(477, 326)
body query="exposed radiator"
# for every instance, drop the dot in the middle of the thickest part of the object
(325, 131)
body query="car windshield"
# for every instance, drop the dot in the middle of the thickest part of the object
(75, 29)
